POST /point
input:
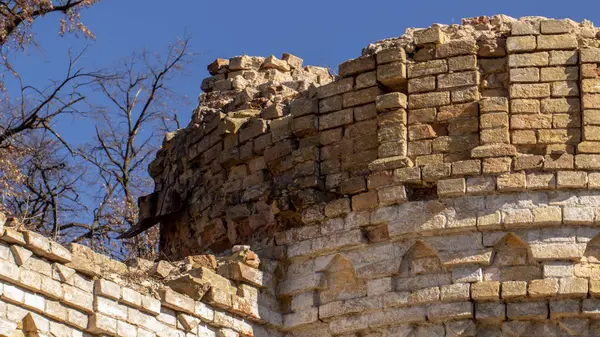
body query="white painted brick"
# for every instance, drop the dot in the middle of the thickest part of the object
(126, 330)
(151, 305)
(13, 293)
(204, 311)
(35, 302)
(77, 318)
(110, 308)
(131, 297)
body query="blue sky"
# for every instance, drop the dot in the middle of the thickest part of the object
(322, 32)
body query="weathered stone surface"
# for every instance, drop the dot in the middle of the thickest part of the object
(446, 185)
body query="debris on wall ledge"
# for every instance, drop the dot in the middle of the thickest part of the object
(50, 290)
(494, 105)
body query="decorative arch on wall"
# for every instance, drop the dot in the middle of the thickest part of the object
(420, 259)
(513, 260)
(511, 250)
(340, 282)
(26, 328)
(591, 254)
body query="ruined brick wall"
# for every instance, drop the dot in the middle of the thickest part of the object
(48, 290)
(445, 183)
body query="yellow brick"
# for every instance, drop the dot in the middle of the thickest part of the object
(487, 290)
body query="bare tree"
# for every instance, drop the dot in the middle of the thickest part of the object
(17, 17)
(35, 170)
(31, 114)
(128, 133)
(44, 180)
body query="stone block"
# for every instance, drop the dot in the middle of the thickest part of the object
(425, 295)
(365, 112)
(335, 88)
(524, 75)
(391, 55)
(514, 289)
(434, 172)
(84, 260)
(357, 66)
(465, 94)
(407, 174)
(37, 243)
(392, 195)
(547, 215)
(361, 97)
(543, 288)
(563, 41)
(591, 101)
(391, 101)
(565, 89)
(366, 80)
(429, 35)
(520, 43)
(511, 182)
(571, 179)
(578, 215)
(421, 84)
(528, 162)
(563, 105)
(392, 74)
(477, 185)
(493, 150)
(102, 324)
(558, 251)
(107, 289)
(428, 100)
(564, 57)
(466, 62)
(304, 106)
(590, 55)
(458, 79)
(329, 104)
(573, 287)
(273, 62)
(421, 131)
(331, 120)
(450, 311)
(427, 68)
(525, 28)
(496, 165)
(487, 290)
(555, 26)
(538, 59)
(451, 187)
(493, 104)
(456, 47)
(292, 60)
(490, 311)
(553, 74)
(466, 167)
(527, 310)
(177, 301)
(564, 308)
(466, 275)
(537, 90)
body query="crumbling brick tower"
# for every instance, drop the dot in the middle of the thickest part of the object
(446, 183)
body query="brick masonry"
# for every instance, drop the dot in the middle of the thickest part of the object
(49, 290)
(445, 183)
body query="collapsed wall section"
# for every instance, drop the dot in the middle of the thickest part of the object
(48, 290)
(445, 184)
